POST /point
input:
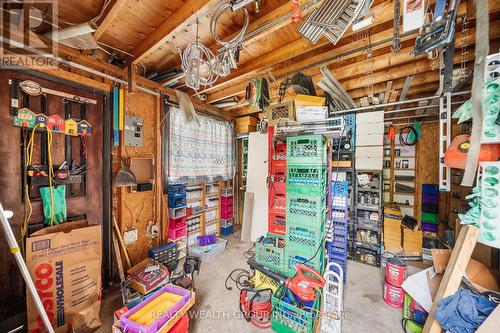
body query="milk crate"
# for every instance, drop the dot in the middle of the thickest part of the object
(307, 149)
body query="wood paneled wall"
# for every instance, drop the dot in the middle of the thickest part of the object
(136, 209)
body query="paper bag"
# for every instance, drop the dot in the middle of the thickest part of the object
(64, 262)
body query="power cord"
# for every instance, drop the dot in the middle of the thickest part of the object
(404, 137)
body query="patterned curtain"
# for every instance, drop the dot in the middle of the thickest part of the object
(200, 150)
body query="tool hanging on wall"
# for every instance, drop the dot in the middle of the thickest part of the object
(257, 93)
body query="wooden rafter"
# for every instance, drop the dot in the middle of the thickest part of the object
(354, 69)
(383, 13)
(188, 12)
(111, 15)
(299, 54)
(273, 15)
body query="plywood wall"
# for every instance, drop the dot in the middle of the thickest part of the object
(137, 209)
(427, 162)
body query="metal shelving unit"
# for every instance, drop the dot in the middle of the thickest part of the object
(368, 210)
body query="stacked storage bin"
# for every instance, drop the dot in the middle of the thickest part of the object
(337, 236)
(177, 216)
(277, 185)
(430, 209)
(306, 201)
(226, 213)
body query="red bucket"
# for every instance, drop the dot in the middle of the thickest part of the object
(393, 296)
(395, 271)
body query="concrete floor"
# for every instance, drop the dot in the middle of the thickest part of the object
(218, 309)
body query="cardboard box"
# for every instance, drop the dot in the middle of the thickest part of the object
(423, 286)
(245, 129)
(245, 121)
(311, 113)
(65, 262)
(143, 280)
(307, 100)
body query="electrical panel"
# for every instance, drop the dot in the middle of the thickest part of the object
(133, 133)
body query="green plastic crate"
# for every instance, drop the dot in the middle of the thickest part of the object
(305, 237)
(305, 208)
(306, 179)
(287, 318)
(270, 256)
(430, 217)
(306, 149)
(294, 257)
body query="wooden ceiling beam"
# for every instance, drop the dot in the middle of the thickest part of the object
(108, 20)
(382, 61)
(188, 12)
(273, 15)
(383, 13)
(252, 70)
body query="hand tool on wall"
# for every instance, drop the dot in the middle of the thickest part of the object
(125, 176)
(14, 248)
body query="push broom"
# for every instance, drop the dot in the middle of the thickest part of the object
(14, 248)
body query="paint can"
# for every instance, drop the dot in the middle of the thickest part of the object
(393, 295)
(395, 271)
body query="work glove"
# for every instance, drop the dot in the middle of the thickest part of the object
(60, 211)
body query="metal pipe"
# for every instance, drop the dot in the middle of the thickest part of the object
(415, 116)
(415, 100)
(417, 108)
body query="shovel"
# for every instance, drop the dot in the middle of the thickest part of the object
(125, 176)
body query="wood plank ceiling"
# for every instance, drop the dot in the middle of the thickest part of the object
(150, 33)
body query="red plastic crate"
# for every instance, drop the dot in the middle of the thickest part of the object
(175, 223)
(226, 208)
(278, 165)
(277, 182)
(226, 200)
(181, 326)
(277, 224)
(277, 203)
(226, 215)
(178, 232)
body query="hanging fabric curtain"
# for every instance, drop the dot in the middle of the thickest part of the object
(200, 150)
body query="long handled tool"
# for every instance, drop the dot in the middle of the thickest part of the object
(122, 244)
(14, 248)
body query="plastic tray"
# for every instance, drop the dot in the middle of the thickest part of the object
(208, 254)
(133, 327)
